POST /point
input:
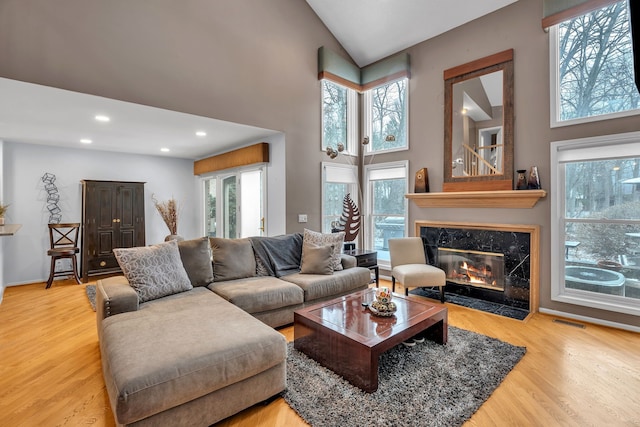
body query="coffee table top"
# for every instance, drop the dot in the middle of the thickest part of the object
(347, 316)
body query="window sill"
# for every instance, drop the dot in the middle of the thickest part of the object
(520, 199)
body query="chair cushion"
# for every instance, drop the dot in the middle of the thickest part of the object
(317, 259)
(232, 259)
(154, 271)
(310, 237)
(418, 275)
(196, 258)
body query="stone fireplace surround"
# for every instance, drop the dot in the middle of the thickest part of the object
(520, 245)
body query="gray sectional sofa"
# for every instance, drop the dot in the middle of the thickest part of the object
(207, 349)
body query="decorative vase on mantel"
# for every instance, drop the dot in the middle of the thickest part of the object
(174, 237)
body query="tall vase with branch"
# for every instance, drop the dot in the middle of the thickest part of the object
(3, 210)
(168, 210)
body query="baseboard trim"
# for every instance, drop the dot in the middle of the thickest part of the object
(590, 320)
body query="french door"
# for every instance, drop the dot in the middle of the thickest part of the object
(234, 203)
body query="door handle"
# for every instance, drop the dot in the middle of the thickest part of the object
(262, 224)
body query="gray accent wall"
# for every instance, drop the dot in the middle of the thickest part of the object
(255, 62)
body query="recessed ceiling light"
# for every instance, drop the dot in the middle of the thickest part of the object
(86, 141)
(102, 118)
(201, 133)
(165, 150)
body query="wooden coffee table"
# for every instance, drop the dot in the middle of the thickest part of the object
(344, 336)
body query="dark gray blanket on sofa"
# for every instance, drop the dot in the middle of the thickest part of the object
(277, 256)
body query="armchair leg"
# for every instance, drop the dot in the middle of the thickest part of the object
(406, 291)
(441, 293)
(393, 284)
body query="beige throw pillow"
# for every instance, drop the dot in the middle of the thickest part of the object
(317, 259)
(320, 239)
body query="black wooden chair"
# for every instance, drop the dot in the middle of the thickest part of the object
(63, 239)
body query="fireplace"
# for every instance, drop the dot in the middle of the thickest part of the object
(473, 268)
(489, 262)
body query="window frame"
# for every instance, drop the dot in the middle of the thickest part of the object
(368, 117)
(554, 86)
(351, 144)
(592, 148)
(367, 212)
(353, 186)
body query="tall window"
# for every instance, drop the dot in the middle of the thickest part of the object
(337, 181)
(339, 116)
(596, 222)
(592, 67)
(234, 203)
(386, 213)
(386, 116)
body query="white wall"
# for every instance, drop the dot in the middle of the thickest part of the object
(2, 240)
(24, 256)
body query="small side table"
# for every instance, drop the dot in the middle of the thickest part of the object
(366, 258)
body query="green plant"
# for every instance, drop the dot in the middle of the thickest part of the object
(3, 209)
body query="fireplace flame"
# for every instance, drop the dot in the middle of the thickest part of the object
(472, 274)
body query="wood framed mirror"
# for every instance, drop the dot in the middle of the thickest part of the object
(478, 125)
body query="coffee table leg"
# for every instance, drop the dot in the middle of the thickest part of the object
(438, 332)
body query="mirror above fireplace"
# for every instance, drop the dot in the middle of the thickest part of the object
(478, 143)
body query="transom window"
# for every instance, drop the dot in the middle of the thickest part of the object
(386, 116)
(592, 67)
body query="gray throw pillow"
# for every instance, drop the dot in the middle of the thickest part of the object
(232, 259)
(314, 238)
(196, 258)
(154, 271)
(317, 259)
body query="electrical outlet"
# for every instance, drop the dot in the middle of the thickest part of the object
(302, 218)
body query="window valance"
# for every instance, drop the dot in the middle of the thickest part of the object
(333, 67)
(556, 11)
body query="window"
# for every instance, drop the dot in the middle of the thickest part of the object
(234, 203)
(386, 213)
(592, 67)
(337, 182)
(386, 116)
(339, 116)
(595, 229)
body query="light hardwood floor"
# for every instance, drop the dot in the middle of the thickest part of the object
(50, 372)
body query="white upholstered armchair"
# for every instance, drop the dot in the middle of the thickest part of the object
(409, 266)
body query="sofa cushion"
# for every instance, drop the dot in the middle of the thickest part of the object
(197, 354)
(317, 259)
(340, 282)
(320, 239)
(196, 259)
(154, 271)
(258, 294)
(232, 259)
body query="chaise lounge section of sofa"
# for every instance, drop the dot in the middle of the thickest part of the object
(208, 350)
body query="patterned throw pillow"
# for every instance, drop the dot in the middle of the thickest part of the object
(319, 239)
(154, 271)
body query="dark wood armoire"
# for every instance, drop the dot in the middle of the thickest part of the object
(112, 217)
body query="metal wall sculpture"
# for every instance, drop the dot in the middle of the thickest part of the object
(53, 197)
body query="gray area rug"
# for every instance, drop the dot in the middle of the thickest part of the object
(425, 385)
(91, 295)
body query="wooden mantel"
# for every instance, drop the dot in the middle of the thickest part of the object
(478, 199)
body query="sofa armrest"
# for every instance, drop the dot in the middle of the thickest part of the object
(114, 296)
(348, 261)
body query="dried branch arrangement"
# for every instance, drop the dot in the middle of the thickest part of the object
(168, 210)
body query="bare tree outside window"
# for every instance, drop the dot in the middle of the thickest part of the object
(334, 114)
(596, 64)
(389, 116)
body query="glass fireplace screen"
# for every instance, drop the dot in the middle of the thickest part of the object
(475, 268)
